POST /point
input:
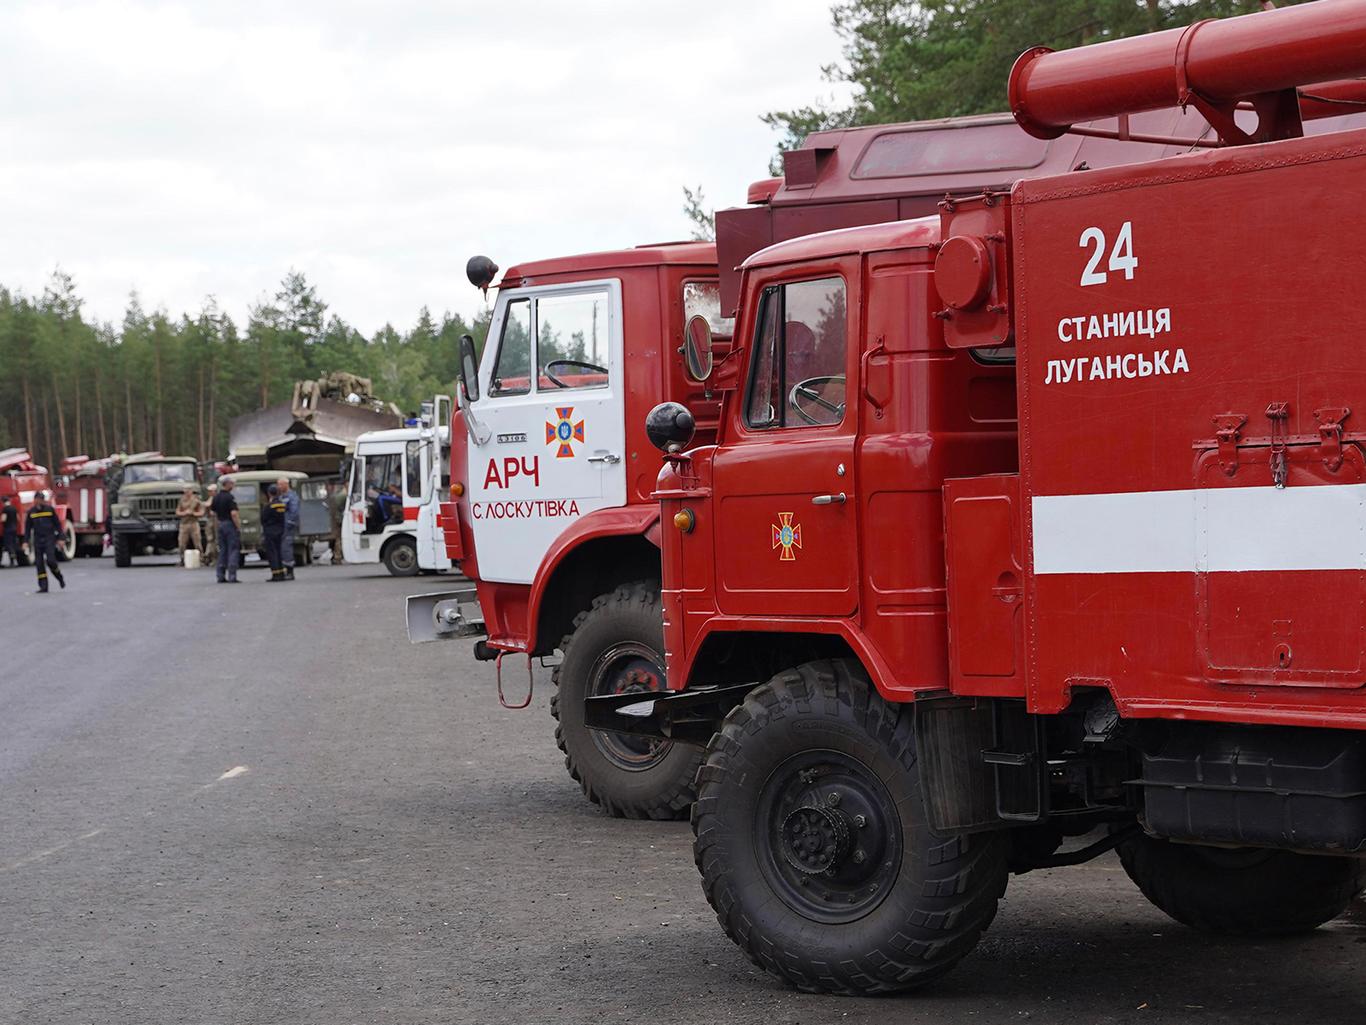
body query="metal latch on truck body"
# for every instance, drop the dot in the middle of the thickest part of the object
(1332, 435)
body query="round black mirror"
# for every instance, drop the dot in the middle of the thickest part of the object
(697, 352)
(481, 271)
(670, 427)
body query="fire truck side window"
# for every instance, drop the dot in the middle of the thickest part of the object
(571, 330)
(413, 475)
(512, 371)
(800, 353)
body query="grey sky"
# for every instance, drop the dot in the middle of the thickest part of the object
(188, 149)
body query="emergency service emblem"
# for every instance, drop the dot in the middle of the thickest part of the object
(787, 536)
(564, 431)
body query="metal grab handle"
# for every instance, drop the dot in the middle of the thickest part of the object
(610, 458)
(839, 499)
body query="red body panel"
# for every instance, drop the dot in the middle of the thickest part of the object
(1261, 620)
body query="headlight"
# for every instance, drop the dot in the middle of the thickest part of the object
(122, 512)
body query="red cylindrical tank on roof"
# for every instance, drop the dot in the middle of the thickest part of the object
(1220, 62)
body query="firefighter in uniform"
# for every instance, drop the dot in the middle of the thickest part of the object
(9, 532)
(273, 532)
(41, 531)
(290, 498)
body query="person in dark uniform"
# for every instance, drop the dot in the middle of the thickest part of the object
(9, 532)
(273, 532)
(224, 508)
(290, 498)
(41, 531)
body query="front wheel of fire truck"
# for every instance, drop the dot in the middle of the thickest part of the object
(617, 647)
(1242, 891)
(810, 834)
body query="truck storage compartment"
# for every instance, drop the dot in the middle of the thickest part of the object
(985, 585)
(1285, 787)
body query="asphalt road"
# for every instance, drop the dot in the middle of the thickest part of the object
(260, 804)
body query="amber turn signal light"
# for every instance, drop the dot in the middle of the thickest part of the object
(457, 489)
(684, 520)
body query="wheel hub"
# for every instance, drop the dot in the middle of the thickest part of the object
(628, 668)
(831, 838)
(817, 839)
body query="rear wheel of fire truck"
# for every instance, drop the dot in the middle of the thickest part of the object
(1242, 891)
(810, 834)
(123, 552)
(617, 647)
(400, 557)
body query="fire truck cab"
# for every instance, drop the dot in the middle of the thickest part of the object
(551, 514)
(393, 493)
(1036, 519)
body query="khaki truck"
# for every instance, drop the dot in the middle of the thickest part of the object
(315, 518)
(145, 491)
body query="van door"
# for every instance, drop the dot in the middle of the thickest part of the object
(786, 538)
(551, 387)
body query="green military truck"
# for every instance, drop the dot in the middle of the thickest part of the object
(249, 488)
(144, 493)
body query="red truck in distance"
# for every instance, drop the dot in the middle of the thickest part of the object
(21, 479)
(1039, 519)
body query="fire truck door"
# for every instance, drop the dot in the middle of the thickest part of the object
(786, 537)
(552, 412)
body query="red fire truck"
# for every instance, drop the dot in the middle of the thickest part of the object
(84, 490)
(1040, 519)
(551, 515)
(21, 479)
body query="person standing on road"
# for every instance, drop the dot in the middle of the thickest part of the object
(211, 531)
(9, 532)
(273, 532)
(190, 510)
(224, 508)
(290, 498)
(41, 530)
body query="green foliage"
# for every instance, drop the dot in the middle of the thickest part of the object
(912, 60)
(73, 387)
(699, 215)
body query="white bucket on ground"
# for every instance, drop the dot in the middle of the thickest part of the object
(191, 558)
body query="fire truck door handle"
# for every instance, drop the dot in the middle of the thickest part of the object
(610, 458)
(839, 499)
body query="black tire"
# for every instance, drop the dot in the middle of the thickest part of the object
(400, 557)
(123, 552)
(1242, 891)
(810, 834)
(616, 646)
